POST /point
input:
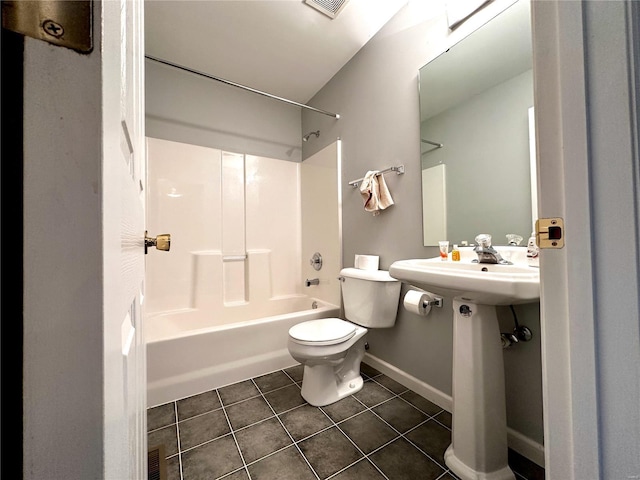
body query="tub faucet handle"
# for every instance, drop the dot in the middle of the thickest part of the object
(316, 261)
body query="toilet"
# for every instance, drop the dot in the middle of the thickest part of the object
(331, 349)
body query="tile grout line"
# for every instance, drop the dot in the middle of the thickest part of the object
(395, 395)
(403, 435)
(370, 409)
(293, 382)
(175, 412)
(442, 475)
(290, 377)
(336, 424)
(287, 431)
(431, 418)
(333, 423)
(244, 464)
(366, 409)
(399, 395)
(364, 455)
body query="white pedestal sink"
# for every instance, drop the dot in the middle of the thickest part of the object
(478, 449)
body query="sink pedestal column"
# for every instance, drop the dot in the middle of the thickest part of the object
(478, 449)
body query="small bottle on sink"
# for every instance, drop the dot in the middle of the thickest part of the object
(455, 254)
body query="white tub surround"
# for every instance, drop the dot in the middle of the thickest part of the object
(219, 305)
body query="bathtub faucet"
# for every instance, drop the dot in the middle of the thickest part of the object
(313, 281)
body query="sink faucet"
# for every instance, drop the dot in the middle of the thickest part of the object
(486, 253)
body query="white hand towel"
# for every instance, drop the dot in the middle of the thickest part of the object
(375, 193)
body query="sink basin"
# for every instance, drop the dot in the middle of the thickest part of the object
(478, 449)
(482, 283)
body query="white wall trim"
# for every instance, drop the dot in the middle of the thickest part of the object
(525, 446)
(516, 441)
(556, 369)
(421, 388)
(570, 398)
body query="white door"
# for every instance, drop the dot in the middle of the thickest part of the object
(587, 111)
(84, 368)
(123, 196)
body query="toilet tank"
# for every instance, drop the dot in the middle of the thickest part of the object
(370, 297)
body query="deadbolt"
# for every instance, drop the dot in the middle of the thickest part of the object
(161, 242)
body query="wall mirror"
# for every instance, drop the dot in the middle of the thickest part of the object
(476, 112)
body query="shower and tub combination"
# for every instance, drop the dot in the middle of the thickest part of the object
(188, 354)
(219, 305)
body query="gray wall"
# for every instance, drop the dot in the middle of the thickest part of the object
(188, 108)
(376, 94)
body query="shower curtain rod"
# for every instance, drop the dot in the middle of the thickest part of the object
(439, 145)
(244, 87)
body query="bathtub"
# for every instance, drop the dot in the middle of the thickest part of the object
(189, 352)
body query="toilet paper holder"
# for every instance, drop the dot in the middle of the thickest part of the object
(420, 302)
(436, 302)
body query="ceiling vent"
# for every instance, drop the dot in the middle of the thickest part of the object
(331, 8)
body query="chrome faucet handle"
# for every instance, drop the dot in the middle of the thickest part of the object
(483, 240)
(514, 239)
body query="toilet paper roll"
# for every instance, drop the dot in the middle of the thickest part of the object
(415, 301)
(366, 262)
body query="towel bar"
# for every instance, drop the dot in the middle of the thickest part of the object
(399, 171)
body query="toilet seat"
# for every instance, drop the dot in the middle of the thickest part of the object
(325, 331)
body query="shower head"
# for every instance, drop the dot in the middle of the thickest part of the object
(306, 137)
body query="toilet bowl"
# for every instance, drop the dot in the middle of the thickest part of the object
(331, 349)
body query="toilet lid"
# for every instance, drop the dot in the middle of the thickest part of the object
(326, 331)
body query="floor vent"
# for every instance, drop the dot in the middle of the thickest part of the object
(331, 8)
(157, 463)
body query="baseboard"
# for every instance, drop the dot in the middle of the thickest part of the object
(423, 389)
(525, 446)
(520, 443)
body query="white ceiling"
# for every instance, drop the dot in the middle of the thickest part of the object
(282, 47)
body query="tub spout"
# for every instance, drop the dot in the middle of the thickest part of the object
(313, 281)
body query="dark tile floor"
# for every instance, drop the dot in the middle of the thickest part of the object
(262, 428)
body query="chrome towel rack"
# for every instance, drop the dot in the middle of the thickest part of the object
(398, 169)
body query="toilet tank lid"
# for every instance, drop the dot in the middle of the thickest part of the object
(372, 275)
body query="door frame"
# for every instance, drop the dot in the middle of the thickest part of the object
(586, 82)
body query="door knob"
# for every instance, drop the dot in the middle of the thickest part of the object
(161, 242)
